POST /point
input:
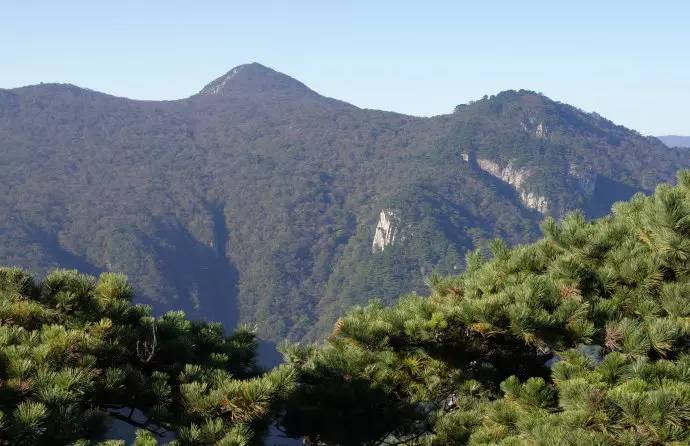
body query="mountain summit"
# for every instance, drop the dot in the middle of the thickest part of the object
(254, 79)
(260, 201)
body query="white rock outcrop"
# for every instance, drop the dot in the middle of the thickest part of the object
(586, 178)
(534, 201)
(516, 177)
(509, 174)
(529, 125)
(386, 230)
(216, 87)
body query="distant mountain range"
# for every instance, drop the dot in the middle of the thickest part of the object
(675, 140)
(258, 200)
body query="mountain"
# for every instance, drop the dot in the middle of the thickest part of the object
(256, 80)
(258, 200)
(580, 338)
(675, 140)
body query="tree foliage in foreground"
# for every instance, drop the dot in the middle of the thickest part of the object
(73, 350)
(582, 338)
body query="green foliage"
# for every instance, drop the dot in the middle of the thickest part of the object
(260, 206)
(580, 338)
(74, 350)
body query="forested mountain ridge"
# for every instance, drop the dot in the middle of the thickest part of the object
(579, 338)
(259, 199)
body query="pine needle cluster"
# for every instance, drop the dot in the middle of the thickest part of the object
(75, 352)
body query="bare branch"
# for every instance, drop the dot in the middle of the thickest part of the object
(146, 349)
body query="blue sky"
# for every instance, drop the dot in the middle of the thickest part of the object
(627, 60)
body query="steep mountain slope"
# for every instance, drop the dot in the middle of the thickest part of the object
(580, 338)
(258, 200)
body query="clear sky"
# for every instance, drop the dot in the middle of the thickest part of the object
(627, 60)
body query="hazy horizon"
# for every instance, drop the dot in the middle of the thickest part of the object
(626, 63)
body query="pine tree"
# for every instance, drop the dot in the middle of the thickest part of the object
(580, 338)
(74, 351)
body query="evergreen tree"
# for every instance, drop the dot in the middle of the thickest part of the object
(580, 338)
(74, 350)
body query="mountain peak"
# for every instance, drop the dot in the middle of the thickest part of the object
(254, 78)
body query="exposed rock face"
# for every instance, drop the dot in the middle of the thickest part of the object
(534, 201)
(529, 125)
(512, 176)
(585, 177)
(515, 177)
(216, 87)
(386, 230)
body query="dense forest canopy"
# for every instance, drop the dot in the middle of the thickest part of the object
(580, 338)
(257, 200)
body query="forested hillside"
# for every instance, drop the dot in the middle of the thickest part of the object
(258, 200)
(580, 338)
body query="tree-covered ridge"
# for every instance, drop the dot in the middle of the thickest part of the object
(74, 350)
(259, 203)
(580, 338)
